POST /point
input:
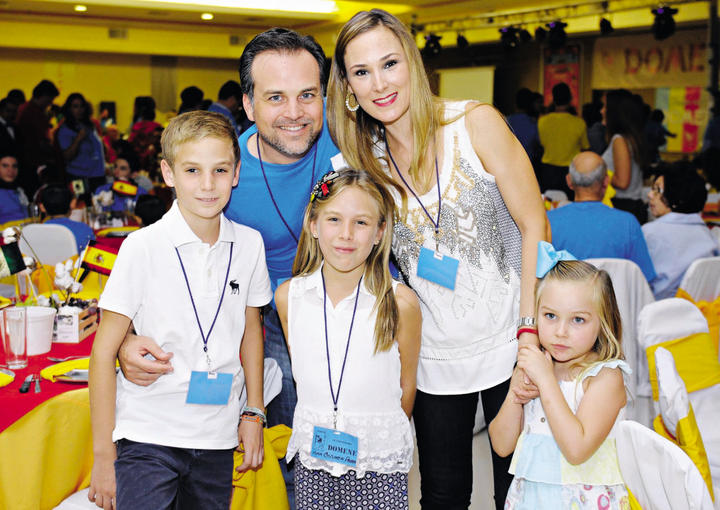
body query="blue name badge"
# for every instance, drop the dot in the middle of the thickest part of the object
(437, 268)
(334, 446)
(209, 388)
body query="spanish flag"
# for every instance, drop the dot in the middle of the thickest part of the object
(125, 188)
(11, 260)
(99, 258)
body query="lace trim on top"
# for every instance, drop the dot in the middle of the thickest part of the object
(385, 443)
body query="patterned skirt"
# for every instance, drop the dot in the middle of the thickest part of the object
(319, 490)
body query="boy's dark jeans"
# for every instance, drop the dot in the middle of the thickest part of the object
(162, 477)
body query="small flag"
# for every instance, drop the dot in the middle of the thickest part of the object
(125, 188)
(11, 260)
(99, 258)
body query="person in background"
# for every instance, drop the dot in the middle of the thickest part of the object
(655, 135)
(191, 98)
(625, 154)
(33, 131)
(13, 201)
(81, 145)
(587, 228)
(123, 187)
(562, 135)
(678, 236)
(591, 113)
(8, 131)
(149, 209)
(524, 124)
(228, 103)
(56, 201)
(17, 96)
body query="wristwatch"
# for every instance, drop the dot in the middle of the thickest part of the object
(526, 322)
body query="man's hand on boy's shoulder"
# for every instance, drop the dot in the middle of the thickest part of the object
(142, 360)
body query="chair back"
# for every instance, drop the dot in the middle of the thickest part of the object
(658, 473)
(632, 293)
(702, 279)
(51, 243)
(556, 195)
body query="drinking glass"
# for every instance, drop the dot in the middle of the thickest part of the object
(13, 330)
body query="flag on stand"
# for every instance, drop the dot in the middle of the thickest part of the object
(11, 260)
(99, 258)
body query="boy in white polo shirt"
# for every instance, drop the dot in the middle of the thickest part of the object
(196, 282)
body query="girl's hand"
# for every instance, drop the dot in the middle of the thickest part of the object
(250, 438)
(538, 365)
(102, 483)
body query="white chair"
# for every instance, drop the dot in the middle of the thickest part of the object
(702, 279)
(556, 195)
(675, 406)
(670, 319)
(632, 293)
(658, 473)
(51, 243)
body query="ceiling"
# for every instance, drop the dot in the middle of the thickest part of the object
(187, 16)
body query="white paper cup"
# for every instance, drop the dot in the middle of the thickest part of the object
(40, 322)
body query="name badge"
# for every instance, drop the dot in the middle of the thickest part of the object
(334, 446)
(209, 388)
(437, 268)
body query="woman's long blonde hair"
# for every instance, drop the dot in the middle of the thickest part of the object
(377, 276)
(608, 345)
(356, 133)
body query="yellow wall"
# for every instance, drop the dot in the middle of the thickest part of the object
(106, 76)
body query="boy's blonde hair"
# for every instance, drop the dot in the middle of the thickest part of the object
(608, 345)
(377, 276)
(193, 126)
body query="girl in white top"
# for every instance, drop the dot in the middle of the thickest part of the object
(354, 338)
(564, 440)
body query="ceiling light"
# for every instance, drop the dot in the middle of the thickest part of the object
(606, 27)
(557, 36)
(207, 16)
(311, 6)
(664, 24)
(462, 42)
(432, 45)
(80, 8)
(509, 37)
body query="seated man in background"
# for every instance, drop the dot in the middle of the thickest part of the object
(149, 209)
(13, 201)
(56, 201)
(123, 187)
(587, 228)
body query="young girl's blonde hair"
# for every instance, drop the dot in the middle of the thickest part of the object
(608, 345)
(377, 276)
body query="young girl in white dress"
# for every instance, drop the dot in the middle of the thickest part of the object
(354, 340)
(564, 440)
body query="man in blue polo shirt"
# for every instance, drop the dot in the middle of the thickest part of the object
(289, 148)
(587, 228)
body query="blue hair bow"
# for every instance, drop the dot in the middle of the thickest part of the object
(548, 258)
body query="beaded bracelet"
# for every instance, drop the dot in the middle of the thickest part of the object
(526, 330)
(254, 411)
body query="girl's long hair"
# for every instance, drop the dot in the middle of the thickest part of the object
(377, 278)
(623, 116)
(356, 133)
(70, 120)
(608, 345)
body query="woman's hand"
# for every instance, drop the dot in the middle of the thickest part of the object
(250, 439)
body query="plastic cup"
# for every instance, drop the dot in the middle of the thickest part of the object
(40, 324)
(14, 337)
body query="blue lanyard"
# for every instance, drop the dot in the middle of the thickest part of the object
(267, 184)
(217, 312)
(336, 396)
(435, 223)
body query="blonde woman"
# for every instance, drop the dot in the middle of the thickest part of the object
(465, 241)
